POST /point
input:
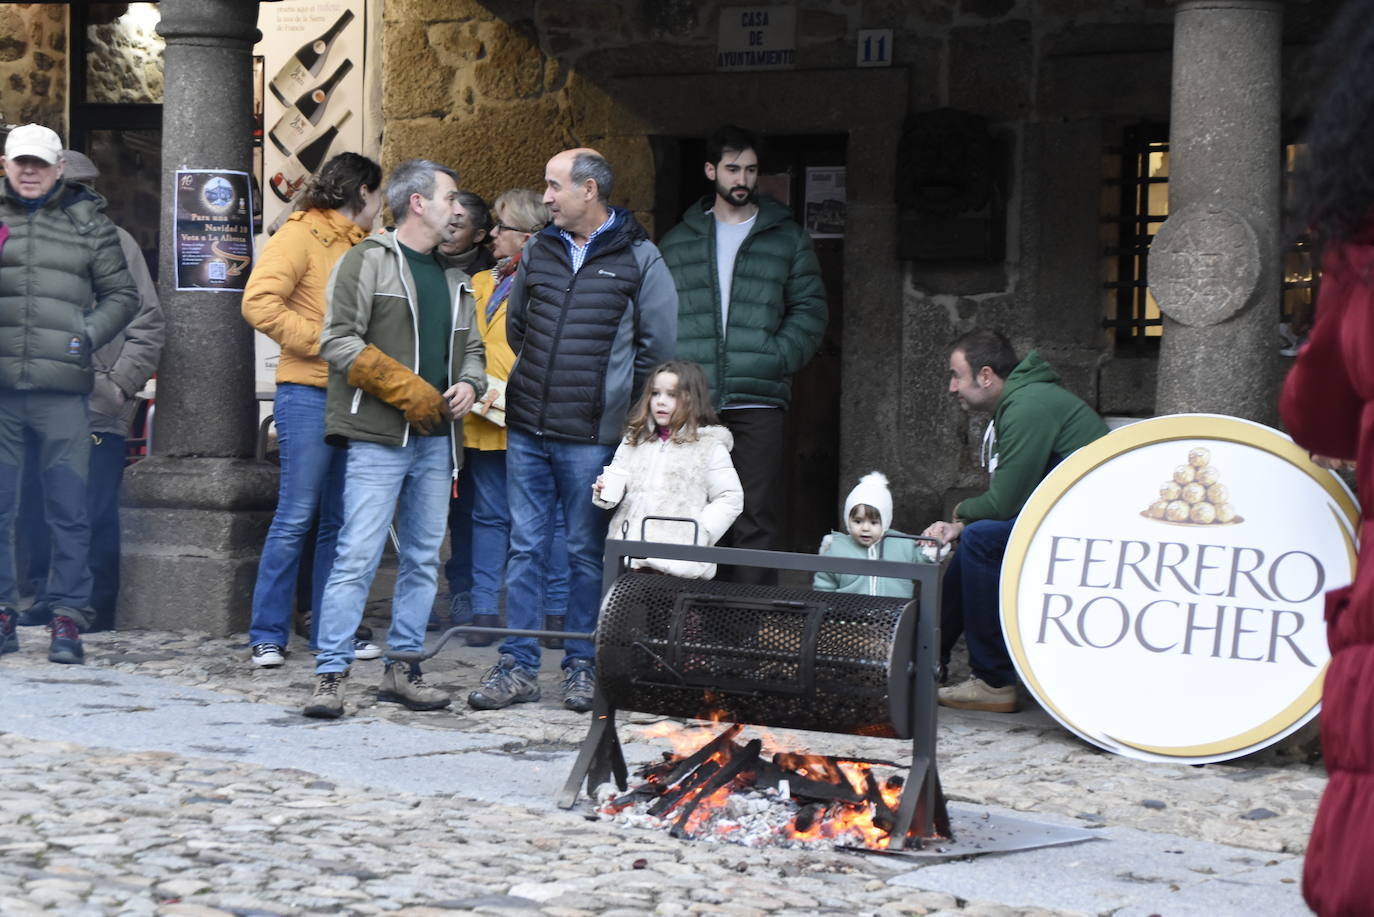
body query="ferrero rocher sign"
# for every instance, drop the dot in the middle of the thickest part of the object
(1163, 590)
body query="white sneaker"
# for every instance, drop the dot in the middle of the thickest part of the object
(363, 649)
(268, 655)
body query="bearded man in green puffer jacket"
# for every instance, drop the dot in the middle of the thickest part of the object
(751, 311)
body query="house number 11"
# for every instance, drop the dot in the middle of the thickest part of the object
(875, 48)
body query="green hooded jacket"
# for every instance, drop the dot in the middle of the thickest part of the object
(1036, 425)
(777, 304)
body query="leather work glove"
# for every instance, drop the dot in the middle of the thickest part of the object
(378, 374)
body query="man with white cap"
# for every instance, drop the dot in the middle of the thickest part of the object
(122, 368)
(65, 291)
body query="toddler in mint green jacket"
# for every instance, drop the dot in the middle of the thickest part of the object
(868, 517)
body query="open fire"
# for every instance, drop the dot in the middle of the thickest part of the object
(726, 790)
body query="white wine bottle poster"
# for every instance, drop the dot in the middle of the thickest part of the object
(313, 67)
(214, 230)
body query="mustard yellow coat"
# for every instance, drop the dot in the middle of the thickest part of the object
(478, 432)
(284, 298)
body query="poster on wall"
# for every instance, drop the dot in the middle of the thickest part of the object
(214, 230)
(825, 202)
(313, 93)
(313, 66)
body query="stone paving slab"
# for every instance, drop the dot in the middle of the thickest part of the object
(1129, 873)
(442, 773)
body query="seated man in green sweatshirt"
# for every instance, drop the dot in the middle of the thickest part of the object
(1035, 424)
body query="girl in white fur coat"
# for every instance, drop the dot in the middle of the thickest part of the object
(675, 460)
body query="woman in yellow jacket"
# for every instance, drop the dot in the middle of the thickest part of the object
(519, 214)
(285, 300)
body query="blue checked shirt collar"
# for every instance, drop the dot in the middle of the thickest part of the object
(578, 253)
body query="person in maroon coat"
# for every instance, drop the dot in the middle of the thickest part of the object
(1328, 406)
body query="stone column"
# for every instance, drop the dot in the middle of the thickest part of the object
(1214, 266)
(196, 512)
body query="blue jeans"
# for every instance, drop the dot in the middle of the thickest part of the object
(411, 483)
(58, 424)
(479, 564)
(458, 568)
(541, 474)
(311, 481)
(102, 512)
(970, 597)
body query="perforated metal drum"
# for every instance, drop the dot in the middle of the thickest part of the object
(824, 661)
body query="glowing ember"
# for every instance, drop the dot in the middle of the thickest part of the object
(715, 788)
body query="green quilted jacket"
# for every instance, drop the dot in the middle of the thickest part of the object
(65, 290)
(777, 308)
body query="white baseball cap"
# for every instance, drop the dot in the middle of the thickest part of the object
(34, 140)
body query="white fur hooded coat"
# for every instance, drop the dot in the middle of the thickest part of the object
(695, 480)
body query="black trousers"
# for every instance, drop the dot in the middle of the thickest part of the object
(757, 455)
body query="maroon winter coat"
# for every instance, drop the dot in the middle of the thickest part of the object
(1328, 407)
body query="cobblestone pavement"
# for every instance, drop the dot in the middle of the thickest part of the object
(96, 831)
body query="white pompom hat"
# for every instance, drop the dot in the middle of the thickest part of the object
(871, 490)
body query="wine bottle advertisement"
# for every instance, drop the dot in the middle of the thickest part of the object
(313, 54)
(214, 230)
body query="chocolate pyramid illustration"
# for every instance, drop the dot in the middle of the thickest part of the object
(1194, 495)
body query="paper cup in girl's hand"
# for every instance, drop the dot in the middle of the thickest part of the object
(613, 481)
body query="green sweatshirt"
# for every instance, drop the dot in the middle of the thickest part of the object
(1037, 424)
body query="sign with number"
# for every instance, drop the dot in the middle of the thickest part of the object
(875, 48)
(214, 230)
(757, 38)
(1163, 591)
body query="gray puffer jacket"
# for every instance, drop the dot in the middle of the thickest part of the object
(64, 289)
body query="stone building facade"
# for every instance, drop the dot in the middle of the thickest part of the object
(1021, 110)
(986, 174)
(33, 64)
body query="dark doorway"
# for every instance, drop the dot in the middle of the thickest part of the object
(812, 458)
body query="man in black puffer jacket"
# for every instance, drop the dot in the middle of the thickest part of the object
(65, 291)
(591, 311)
(751, 311)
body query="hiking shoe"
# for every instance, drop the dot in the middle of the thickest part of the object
(35, 616)
(403, 684)
(365, 649)
(327, 701)
(460, 609)
(66, 642)
(579, 687)
(9, 640)
(976, 694)
(504, 684)
(553, 622)
(268, 655)
(484, 639)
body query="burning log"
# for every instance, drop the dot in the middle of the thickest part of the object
(736, 766)
(734, 789)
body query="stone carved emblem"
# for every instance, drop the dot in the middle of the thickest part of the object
(1204, 264)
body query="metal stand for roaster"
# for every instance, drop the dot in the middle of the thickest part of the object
(912, 693)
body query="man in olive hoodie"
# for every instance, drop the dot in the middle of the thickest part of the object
(398, 332)
(65, 291)
(751, 311)
(1036, 423)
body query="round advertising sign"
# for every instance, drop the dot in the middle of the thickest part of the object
(1163, 589)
